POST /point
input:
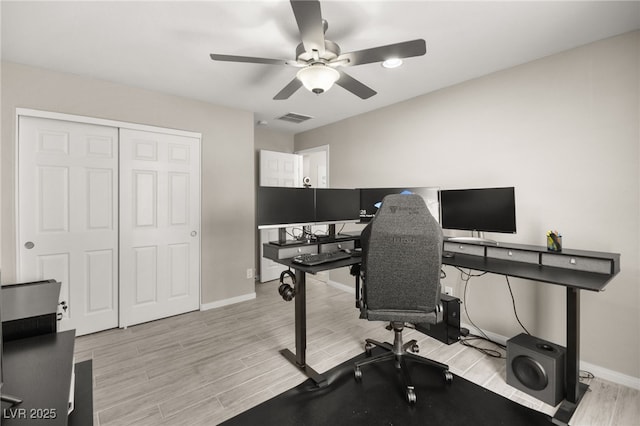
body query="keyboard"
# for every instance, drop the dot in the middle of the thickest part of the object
(312, 259)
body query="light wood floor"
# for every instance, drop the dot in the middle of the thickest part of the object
(202, 368)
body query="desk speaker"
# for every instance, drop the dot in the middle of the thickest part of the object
(536, 367)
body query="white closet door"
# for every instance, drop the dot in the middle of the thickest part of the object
(160, 225)
(68, 216)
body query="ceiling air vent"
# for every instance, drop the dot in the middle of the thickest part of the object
(295, 118)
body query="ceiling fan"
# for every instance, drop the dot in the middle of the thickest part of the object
(319, 59)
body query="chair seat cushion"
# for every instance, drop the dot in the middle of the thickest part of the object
(401, 315)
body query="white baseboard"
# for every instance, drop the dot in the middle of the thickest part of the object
(611, 376)
(225, 302)
(596, 370)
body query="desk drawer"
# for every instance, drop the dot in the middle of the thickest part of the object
(515, 255)
(271, 251)
(464, 248)
(332, 247)
(588, 264)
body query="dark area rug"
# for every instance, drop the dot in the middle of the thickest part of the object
(379, 399)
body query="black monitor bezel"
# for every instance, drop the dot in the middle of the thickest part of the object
(476, 217)
(337, 205)
(371, 196)
(282, 206)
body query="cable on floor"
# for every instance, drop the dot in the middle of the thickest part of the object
(494, 353)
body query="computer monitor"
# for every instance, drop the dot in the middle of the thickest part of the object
(481, 209)
(371, 199)
(279, 207)
(335, 205)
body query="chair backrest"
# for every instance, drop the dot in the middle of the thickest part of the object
(402, 256)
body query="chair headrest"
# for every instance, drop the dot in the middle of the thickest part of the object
(402, 204)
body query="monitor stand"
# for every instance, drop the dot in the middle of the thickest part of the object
(283, 241)
(477, 240)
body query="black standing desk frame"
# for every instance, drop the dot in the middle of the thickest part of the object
(574, 281)
(299, 357)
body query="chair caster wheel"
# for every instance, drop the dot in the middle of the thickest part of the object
(368, 347)
(448, 377)
(411, 396)
(415, 348)
(358, 374)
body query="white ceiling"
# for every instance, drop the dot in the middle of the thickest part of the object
(165, 45)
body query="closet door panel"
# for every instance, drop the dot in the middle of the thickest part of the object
(160, 225)
(67, 216)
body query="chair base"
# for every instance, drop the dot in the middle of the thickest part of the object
(398, 352)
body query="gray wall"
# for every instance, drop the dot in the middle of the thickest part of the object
(228, 201)
(272, 140)
(564, 130)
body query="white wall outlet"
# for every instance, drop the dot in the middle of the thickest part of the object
(249, 273)
(448, 291)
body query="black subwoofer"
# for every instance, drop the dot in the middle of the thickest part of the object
(536, 366)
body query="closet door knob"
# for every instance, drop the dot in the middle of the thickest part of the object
(29, 245)
(194, 233)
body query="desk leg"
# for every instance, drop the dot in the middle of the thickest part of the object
(299, 358)
(574, 389)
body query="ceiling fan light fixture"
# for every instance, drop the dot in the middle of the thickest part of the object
(318, 78)
(392, 63)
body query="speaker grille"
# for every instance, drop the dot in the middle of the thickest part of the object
(530, 372)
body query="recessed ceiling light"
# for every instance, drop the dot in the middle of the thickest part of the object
(392, 63)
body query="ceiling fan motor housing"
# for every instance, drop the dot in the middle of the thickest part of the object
(331, 52)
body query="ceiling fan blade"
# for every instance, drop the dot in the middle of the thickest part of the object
(309, 18)
(354, 86)
(250, 59)
(405, 49)
(288, 90)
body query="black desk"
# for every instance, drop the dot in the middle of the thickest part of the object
(38, 370)
(574, 281)
(535, 268)
(299, 358)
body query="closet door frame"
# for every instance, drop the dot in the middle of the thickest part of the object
(27, 112)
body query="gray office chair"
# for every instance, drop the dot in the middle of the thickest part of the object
(401, 261)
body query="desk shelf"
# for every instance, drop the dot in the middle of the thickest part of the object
(586, 270)
(573, 269)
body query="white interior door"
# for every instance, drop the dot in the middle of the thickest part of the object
(314, 166)
(276, 169)
(160, 225)
(67, 216)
